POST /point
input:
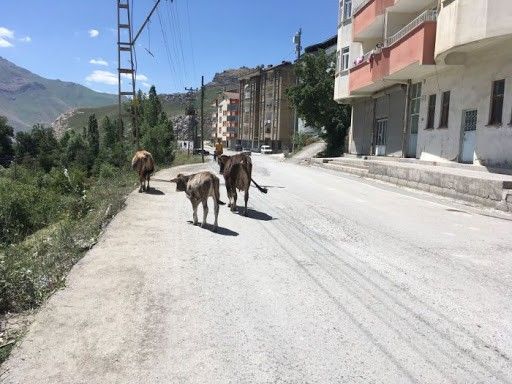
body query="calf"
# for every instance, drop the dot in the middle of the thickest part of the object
(144, 164)
(198, 187)
(237, 172)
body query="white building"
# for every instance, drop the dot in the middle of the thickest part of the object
(430, 79)
(225, 118)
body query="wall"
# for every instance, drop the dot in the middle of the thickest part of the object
(361, 130)
(464, 22)
(470, 87)
(392, 106)
(396, 21)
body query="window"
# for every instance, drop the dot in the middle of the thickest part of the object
(498, 91)
(431, 113)
(415, 107)
(347, 9)
(345, 54)
(445, 109)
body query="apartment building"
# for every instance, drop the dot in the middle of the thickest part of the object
(225, 118)
(429, 79)
(267, 116)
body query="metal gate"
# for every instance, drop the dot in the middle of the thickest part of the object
(381, 134)
(414, 119)
(469, 120)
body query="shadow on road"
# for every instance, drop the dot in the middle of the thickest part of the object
(253, 214)
(220, 230)
(154, 191)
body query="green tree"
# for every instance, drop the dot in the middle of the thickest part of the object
(152, 108)
(93, 136)
(40, 146)
(159, 140)
(6, 139)
(313, 99)
(110, 134)
(76, 151)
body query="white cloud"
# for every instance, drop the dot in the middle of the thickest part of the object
(4, 32)
(146, 85)
(4, 43)
(5, 36)
(103, 77)
(98, 61)
(26, 39)
(94, 33)
(139, 77)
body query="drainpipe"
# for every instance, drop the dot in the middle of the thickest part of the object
(406, 117)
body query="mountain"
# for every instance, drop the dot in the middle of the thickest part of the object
(27, 99)
(173, 103)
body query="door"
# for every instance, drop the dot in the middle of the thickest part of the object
(469, 119)
(381, 133)
(414, 119)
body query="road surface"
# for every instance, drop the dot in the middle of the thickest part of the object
(332, 279)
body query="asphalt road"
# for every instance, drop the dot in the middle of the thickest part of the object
(331, 279)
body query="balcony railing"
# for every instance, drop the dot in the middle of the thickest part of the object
(430, 15)
(361, 5)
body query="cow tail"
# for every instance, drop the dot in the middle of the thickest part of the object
(261, 189)
(217, 191)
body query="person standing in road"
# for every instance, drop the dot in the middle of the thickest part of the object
(219, 149)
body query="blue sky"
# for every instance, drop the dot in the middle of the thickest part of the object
(76, 40)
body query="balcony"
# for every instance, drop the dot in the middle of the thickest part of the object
(368, 19)
(466, 26)
(408, 54)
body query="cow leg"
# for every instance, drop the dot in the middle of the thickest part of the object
(216, 212)
(194, 209)
(246, 199)
(141, 188)
(147, 178)
(205, 212)
(233, 205)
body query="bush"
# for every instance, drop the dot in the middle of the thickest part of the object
(25, 209)
(107, 171)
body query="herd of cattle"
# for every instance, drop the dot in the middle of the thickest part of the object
(237, 172)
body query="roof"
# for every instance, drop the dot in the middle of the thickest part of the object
(323, 45)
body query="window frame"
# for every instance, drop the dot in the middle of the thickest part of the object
(345, 53)
(445, 103)
(496, 120)
(431, 111)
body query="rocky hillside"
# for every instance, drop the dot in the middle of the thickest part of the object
(27, 99)
(174, 104)
(228, 79)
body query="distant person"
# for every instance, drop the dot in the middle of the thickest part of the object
(219, 149)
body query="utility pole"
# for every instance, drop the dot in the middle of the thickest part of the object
(202, 117)
(124, 49)
(191, 111)
(297, 40)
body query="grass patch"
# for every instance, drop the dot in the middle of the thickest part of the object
(181, 158)
(32, 269)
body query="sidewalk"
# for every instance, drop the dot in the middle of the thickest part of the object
(474, 184)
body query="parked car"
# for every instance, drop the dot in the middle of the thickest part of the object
(199, 151)
(265, 149)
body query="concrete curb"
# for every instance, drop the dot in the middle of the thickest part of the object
(491, 193)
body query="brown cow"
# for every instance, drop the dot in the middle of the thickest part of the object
(198, 187)
(144, 164)
(237, 172)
